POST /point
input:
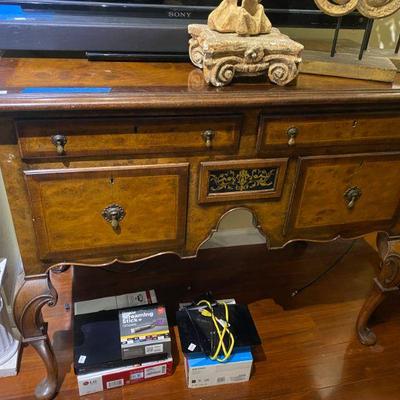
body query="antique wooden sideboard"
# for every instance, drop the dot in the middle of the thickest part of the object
(124, 161)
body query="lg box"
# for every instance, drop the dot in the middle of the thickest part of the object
(117, 377)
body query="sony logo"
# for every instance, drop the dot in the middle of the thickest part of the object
(179, 14)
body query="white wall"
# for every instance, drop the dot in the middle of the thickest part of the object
(384, 35)
(8, 245)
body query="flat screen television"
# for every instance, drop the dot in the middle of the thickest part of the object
(146, 28)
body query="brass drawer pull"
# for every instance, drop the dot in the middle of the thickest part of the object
(351, 196)
(113, 214)
(59, 141)
(208, 136)
(292, 134)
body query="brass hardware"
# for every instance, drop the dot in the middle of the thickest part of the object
(208, 136)
(292, 133)
(113, 214)
(351, 196)
(59, 141)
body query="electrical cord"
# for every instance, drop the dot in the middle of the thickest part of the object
(219, 323)
(323, 273)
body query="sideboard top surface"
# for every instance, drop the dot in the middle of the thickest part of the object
(139, 85)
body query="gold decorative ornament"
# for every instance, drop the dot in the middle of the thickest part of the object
(227, 181)
(372, 9)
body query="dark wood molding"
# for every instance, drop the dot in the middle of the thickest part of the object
(212, 99)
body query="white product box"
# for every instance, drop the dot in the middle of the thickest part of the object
(117, 377)
(227, 301)
(202, 372)
(116, 302)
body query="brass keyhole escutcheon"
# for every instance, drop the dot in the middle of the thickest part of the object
(59, 141)
(114, 214)
(208, 136)
(292, 134)
(351, 196)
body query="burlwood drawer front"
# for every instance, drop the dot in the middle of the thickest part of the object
(241, 180)
(62, 138)
(317, 131)
(342, 194)
(94, 211)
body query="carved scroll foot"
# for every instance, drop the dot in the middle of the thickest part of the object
(365, 334)
(387, 281)
(47, 388)
(34, 293)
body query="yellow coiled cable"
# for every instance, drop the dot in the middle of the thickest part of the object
(209, 313)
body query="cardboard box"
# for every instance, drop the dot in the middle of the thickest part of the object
(202, 372)
(96, 326)
(144, 331)
(116, 302)
(117, 377)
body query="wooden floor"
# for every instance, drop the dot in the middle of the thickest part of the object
(309, 350)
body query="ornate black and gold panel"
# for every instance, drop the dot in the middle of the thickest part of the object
(241, 180)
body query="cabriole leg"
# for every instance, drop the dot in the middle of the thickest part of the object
(34, 293)
(388, 280)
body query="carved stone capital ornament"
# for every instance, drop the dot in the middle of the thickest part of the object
(240, 41)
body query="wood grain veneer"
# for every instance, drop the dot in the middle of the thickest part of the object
(67, 208)
(319, 205)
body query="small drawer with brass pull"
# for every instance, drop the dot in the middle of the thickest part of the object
(108, 210)
(119, 136)
(308, 133)
(342, 194)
